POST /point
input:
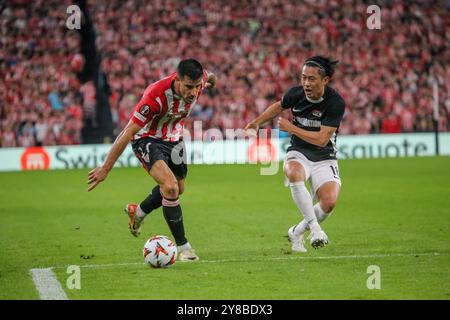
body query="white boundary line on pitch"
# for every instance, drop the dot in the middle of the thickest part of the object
(49, 287)
(292, 257)
(47, 284)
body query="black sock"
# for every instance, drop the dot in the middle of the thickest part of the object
(153, 200)
(174, 218)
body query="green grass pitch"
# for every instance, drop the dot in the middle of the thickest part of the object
(392, 213)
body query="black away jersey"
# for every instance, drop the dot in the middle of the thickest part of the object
(310, 116)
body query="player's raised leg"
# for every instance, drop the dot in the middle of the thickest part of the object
(137, 213)
(153, 201)
(170, 189)
(296, 174)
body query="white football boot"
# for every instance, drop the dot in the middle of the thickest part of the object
(298, 243)
(186, 253)
(318, 237)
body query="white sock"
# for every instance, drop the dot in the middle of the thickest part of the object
(184, 247)
(302, 227)
(304, 202)
(320, 214)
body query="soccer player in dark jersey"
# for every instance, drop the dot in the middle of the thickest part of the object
(317, 111)
(155, 130)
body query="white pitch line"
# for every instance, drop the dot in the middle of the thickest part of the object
(327, 257)
(47, 285)
(292, 257)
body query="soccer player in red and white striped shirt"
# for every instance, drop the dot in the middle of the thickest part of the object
(155, 130)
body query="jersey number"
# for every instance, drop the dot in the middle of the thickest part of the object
(335, 171)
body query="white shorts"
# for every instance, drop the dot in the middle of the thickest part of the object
(316, 172)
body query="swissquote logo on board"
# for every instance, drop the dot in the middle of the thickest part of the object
(35, 158)
(262, 151)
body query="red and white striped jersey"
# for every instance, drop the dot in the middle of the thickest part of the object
(161, 113)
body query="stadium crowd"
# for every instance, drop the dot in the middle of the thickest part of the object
(255, 48)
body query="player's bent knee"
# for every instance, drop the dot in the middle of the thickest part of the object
(170, 190)
(294, 172)
(328, 208)
(328, 204)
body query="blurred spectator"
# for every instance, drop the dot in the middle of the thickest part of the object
(407, 119)
(423, 121)
(390, 124)
(254, 47)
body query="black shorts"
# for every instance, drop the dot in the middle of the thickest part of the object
(150, 150)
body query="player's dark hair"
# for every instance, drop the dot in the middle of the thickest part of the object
(191, 68)
(325, 64)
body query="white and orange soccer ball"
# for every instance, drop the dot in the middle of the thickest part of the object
(160, 252)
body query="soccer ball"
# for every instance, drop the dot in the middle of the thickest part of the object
(160, 252)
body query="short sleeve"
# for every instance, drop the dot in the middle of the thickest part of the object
(289, 98)
(334, 113)
(146, 108)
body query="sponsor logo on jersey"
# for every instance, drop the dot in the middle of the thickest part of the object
(309, 123)
(316, 113)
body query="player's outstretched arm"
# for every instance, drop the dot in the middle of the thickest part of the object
(99, 174)
(271, 112)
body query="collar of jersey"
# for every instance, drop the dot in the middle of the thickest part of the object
(314, 101)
